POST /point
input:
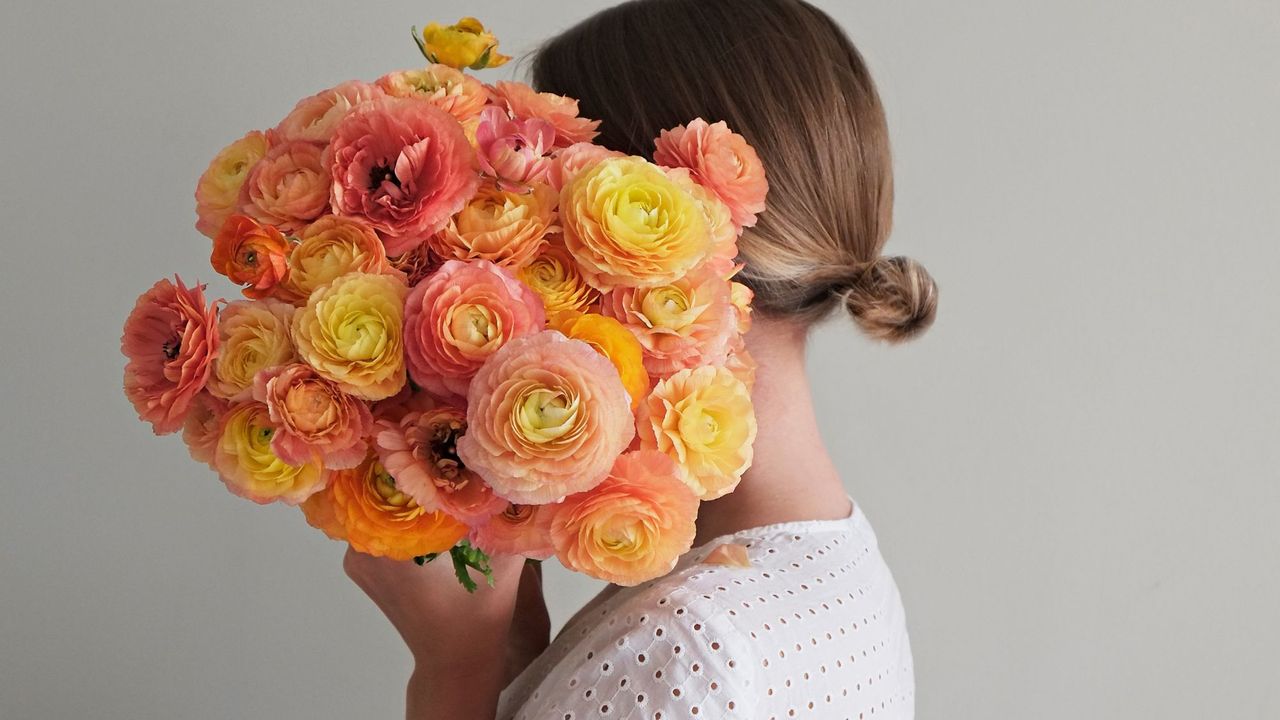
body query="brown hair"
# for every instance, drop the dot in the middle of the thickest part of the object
(784, 75)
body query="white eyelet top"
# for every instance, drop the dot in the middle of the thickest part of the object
(814, 628)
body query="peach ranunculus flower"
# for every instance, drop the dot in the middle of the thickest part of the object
(171, 341)
(328, 249)
(382, 520)
(255, 336)
(416, 264)
(687, 323)
(720, 160)
(289, 187)
(526, 103)
(455, 92)
(351, 332)
(202, 430)
(460, 316)
(574, 159)
(515, 153)
(554, 275)
(630, 528)
(703, 419)
(251, 254)
(314, 118)
(465, 44)
(313, 417)
(546, 417)
(517, 530)
(419, 449)
(404, 166)
(218, 192)
(250, 467)
(630, 225)
(613, 340)
(504, 227)
(322, 515)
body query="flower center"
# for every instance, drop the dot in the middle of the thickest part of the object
(444, 453)
(382, 174)
(172, 347)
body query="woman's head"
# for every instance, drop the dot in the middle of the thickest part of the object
(784, 75)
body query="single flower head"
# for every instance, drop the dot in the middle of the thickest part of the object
(722, 161)
(251, 254)
(502, 226)
(465, 44)
(313, 417)
(351, 332)
(328, 249)
(250, 467)
(289, 187)
(515, 153)
(314, 118)
(382, 520)
(457, 93)
(255, 336)
(219, 190)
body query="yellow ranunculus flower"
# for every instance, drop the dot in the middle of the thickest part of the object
(218, 192)
(254, 336)
(630, 225)
(352, 333)
(704, 420)
(613, 340)
(251, 469)
(555, 277)
(465, 44)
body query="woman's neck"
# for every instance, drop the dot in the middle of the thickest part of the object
(792, 476)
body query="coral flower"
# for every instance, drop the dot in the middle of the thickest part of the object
(703, 419)
(613, 340)
(252, 470)
(404, 166)
(630, 225)
(314, 118)
(289, 187)
(420, 451)
(504, 227)
(218, 192)
(171, 341)
(630, 528)
(574, 159)
(546, 417)
(526, 103)
(514, 152)
(328, 249)
(555, 277)
(255, 336)
(322, 515)
(202, 430)
(457, 93)
(688, 323)
(465, 44)
(382, 520)
(517, 530)
(351, 332)
(460, 316)
(251, 254)
(720, 160)
(313, 417)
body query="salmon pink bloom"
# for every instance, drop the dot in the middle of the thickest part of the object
(203, 427)
(574, 159)
(289, 187)
(314, 118)
(526, 103)
(514, 152)
(313, 417)
(171, 340)
(517, 530)
(720, 160)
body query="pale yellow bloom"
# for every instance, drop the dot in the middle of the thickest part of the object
(351, 332)
(252, 470)
(254, 336)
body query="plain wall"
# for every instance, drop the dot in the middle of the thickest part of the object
(1074, 475)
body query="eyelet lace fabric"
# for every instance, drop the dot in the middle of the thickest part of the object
(814, 628)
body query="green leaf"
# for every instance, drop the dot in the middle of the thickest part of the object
(422, 45)
(465, 558)
(483, 61)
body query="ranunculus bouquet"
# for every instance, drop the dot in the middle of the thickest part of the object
(467, 329)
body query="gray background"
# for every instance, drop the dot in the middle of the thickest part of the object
(1074, 476)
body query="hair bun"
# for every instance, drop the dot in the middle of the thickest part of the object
(893, 300)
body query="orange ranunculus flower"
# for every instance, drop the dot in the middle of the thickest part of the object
(506, 228)
(328, 249)
(630, 528)
(517, 530)
(704, 420)
(218, 192)
(554, 275)
(630, 225)
(251, 254)
(455, 92)
(613, 340)
(289, 187)
(465, 44)
(323, 516)
(352, 333)
(251, 469)
(255, 336)
(382, 520)
(720, 160)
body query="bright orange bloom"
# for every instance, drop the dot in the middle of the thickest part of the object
(251, 254)
(383, 521)
(613, 340)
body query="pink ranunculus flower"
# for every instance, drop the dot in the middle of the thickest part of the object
(684, 324)
(313, 417)
(202, 429)
(574, 159)
(514, 152)
(171, 340)
(517, 530)
(404, 166)
(314, 118)
(562, 112)
(546, 417)
(288, 188)
(722, 161)
(461, 315)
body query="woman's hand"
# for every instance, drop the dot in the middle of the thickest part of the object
(459, 640)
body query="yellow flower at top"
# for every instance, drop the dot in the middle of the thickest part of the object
(465, 44)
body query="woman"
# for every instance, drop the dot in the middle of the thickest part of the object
(814, 627)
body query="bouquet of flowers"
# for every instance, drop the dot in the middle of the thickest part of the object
(466, 329)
